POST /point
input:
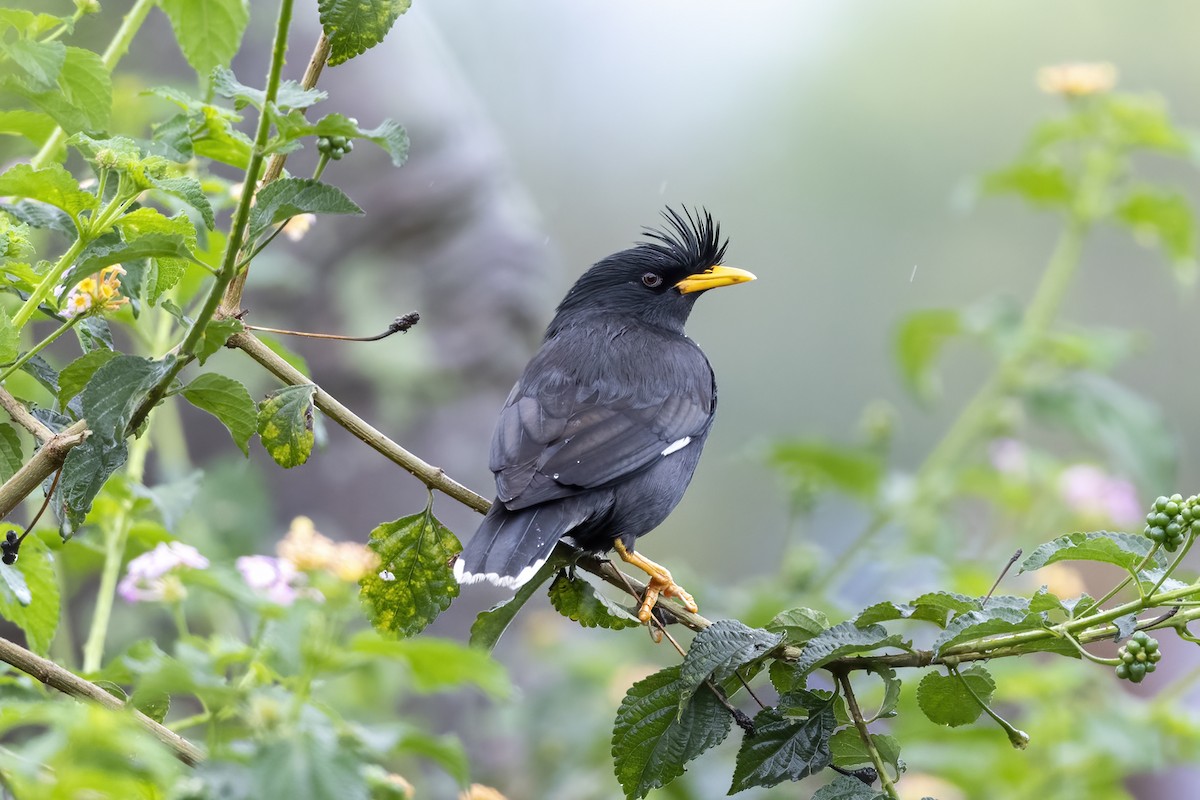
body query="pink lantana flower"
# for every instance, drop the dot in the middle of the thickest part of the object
(146, 577)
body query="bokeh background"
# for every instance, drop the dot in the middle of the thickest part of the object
(838, 143)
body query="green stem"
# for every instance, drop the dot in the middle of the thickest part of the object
(1108, 662)
(51, 278)
(1174, 564)
(885, 780)
(116, 536)
(1017, 738)
(37, 348)
(1136, 571)
(112, 54)
(237, 232)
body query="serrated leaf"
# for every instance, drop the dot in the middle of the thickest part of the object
(720, 649)
(989, 622)
(849, 752)
(312, 764)
(919, 341)
(87, 468)
(285, 424)
(82, 98)
(42, 216)
(798, 625)
(30, 25)
(389, 135)
(76, 375)
(36, 610)
(935, 607)
(284, 198)
(11, 457)
(94, 334)
(783, 749)
(824, 465)
(842, 640)
(414, 582)
(845, 787)
(490, 625)
(209, 32)
(115, 390)
(1125, 626)
(652, 743)
(290, 94)
(891, 691)
(945, 701)
(216, 334)
(228, 401)
(189, 191)
(1125, 550)
(41, 62)
(1163, 219)
(354, 27)
(51, 184)
(578, 601)
(42, 372)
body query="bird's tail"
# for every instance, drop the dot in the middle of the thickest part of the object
(510, 546)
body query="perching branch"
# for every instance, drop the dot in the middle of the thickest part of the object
(68, 682)
(44, 463)
(20, 415)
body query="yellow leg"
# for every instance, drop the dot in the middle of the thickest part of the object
(661, 582)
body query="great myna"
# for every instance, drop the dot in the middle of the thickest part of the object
(599, 438)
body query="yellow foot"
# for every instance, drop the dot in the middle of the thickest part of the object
(661, 583)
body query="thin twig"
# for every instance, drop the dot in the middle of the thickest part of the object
(1000, 577)
(68, 682)
(885, 780)
(400, 324)
(20, 415)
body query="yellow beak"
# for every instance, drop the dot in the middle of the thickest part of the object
(713, 278)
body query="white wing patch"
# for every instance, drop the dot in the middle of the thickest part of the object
(495, 578)
(677, 445)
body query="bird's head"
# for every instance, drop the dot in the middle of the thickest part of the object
(657, 281)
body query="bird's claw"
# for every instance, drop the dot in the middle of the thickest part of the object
(662, 584)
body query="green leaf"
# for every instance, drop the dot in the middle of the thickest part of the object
(94, 334)
(1143, 121)
(1163, 219)
(51, 184)
(209, 32)
(849, 752)
(354, 27)
(28, 24)
(783, 749)
(1040, 183)
(43, 217)
(11, 457)
(843, 639)
(87, 468)
(284, 198)
(389, 135)
(415, 582)
(10, 339)
(719, 650)
(115, 390)
(946, 701)
(290, 95)
(77, 374)
(891, 691)
(36, 610)
(437, 664)
(227, 400)
(216, 334)
(993, 620)
(652, 742)
(189, 191)
(33, 125)
(798, 625)
(919, 341)
(1129, 428)
(845, 787)
(1122, 549)
(285, 424)
(935, 607)
(577, 600)
(490, 625)
(82, 100)
(41, 62)
(308, 765)
(846, 469)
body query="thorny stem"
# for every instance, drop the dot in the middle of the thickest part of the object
(885, 780)
(112, 54)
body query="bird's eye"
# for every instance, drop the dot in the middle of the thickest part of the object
(652, 280)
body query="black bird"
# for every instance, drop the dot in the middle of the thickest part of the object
(599, 438)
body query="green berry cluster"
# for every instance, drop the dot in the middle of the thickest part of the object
(1172, 520)
(1139, 657)
(334, 146)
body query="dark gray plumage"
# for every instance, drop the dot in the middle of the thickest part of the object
(600, 435)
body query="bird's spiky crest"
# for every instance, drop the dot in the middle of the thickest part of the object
(689, 237)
